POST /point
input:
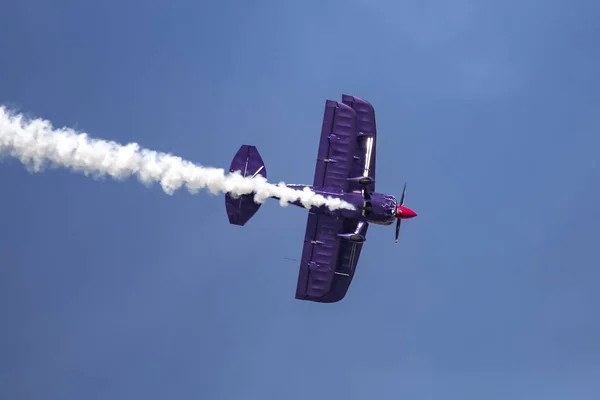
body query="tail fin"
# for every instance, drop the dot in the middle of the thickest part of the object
(249, 163)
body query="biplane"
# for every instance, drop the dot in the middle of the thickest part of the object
(345, 168)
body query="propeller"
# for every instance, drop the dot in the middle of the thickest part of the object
(403, 195)
(397, 228)
(399, 220)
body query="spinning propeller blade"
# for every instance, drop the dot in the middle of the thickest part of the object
(399, 220)
(403, 195)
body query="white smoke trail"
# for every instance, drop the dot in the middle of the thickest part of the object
(37, 144)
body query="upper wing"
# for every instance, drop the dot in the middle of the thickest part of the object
(328, 261)
(337, 146)
(347, 145)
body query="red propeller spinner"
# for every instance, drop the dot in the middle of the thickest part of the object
(403, 212)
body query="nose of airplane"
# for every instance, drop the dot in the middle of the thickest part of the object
(405, 212)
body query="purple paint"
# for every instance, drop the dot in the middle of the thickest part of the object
(345, 168)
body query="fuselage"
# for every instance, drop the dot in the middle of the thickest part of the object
(381, 208)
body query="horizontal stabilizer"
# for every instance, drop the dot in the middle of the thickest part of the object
(249, 163)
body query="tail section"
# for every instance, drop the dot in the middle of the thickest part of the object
(249, 163)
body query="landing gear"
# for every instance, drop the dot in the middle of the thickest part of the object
(363, 180)
(358, 236)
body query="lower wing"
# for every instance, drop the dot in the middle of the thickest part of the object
(328, 260)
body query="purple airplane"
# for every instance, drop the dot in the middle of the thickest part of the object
(345, 169)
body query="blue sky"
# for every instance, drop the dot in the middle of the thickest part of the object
(489, 110)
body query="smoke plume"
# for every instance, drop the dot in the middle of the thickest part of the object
(37, 144)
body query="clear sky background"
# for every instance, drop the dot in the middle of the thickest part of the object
(489, 110)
